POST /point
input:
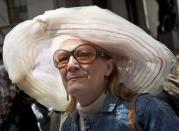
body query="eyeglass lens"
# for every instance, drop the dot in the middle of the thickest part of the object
(84, 54)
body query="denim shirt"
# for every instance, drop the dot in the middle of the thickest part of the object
(152, 115)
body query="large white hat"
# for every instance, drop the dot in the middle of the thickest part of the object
(142, 61)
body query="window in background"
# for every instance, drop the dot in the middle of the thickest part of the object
(17, 10)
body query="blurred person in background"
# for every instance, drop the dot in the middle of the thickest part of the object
(171, 88)
(15, 107)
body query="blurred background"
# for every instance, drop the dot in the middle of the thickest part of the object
(159, 18)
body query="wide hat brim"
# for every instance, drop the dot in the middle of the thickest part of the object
(143, 62)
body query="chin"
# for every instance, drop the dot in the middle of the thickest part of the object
(74, 92)
(74, 89)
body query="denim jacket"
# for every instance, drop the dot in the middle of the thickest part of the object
(152, 115)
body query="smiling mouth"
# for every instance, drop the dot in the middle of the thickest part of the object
(76, 78)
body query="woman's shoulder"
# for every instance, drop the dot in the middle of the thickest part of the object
(146, 99)
(147, 103)
(153, 113)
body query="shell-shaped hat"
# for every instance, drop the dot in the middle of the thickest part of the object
(143, 62)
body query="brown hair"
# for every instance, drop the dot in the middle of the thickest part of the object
(118, 89)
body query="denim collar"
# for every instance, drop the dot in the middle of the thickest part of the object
(110, 103)
(109, 106)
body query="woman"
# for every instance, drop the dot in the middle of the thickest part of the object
(102, 61)
(90, 77)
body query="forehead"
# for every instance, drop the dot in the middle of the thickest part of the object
(71, 44)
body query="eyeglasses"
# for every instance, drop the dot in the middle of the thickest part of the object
(84, 54)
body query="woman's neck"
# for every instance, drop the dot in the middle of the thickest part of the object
(88, 98)
(93, 107)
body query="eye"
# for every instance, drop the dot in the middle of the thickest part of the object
(84, 54)
(61, 58)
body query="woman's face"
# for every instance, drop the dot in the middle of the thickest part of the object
(84, 79)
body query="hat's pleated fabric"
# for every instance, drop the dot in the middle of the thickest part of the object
(142, 61)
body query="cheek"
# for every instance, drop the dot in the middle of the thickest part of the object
(63, 74)
(97, 73)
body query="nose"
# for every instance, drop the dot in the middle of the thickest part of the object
(72, 64)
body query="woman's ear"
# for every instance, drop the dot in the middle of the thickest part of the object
(109, 67)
